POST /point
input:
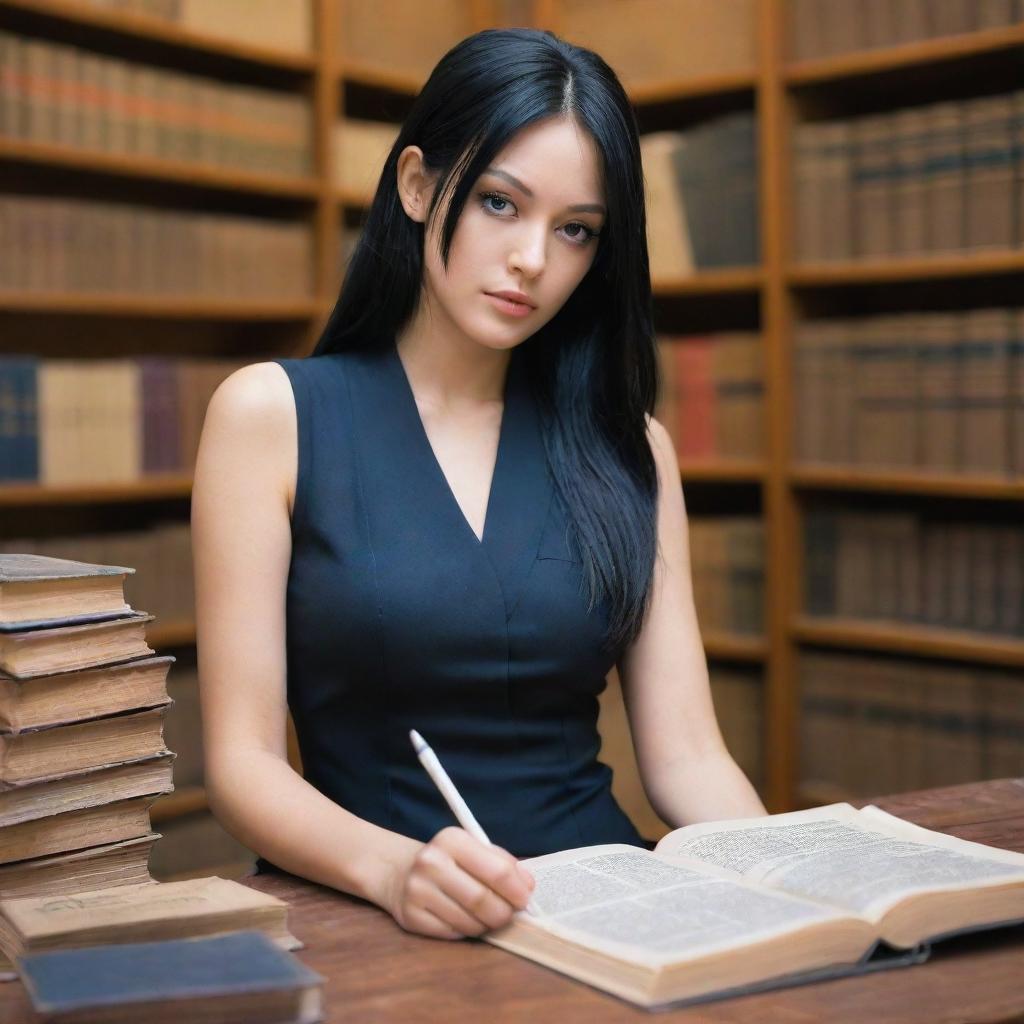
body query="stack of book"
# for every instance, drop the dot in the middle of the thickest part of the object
(82, 758)
(82, 706)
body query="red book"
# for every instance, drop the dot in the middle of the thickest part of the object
(695, 390)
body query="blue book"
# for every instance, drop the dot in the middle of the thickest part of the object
(235, 977)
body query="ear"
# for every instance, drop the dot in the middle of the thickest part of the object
(415, 183)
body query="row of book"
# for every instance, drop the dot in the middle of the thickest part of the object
(69, 421)
(277, 24)
(902, 567)
(701, 194)
(819, 28)
(872, 725)
(79, 245)
(711, 394)
(738, 696)
(54, 93)
(945, 177)
(727, 566)
(161, 553)
(82, 705)
(935, 391)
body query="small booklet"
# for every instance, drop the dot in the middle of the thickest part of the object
(238, 978)
(727, 907)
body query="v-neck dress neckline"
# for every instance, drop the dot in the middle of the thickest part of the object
(430, 455)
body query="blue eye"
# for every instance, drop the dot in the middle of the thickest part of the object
(485, 196)
(588, 234)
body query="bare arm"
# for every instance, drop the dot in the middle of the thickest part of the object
(687, 771)
(241, 543)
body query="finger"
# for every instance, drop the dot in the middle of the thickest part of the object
(495, 867)
(437, 869)
(428, 923)
(453, 912)
(475, 898)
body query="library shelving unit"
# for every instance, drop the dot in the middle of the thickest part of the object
(83, 325)
(781, 92)
(769, 297)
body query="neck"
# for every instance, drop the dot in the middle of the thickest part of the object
(447, 369)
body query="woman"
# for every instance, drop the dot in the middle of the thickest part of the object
(447, 518)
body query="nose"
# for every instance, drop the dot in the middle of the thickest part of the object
(528, 252)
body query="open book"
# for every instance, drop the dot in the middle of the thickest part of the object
(726, 907)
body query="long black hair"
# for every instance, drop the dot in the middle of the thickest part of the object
(593, 366)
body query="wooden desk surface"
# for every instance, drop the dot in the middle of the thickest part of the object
(377, 972)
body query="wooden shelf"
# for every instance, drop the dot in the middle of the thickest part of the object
(906, 481)
(163, 307)
(162, 635)
(978, 263)
(710, 282)
(351, 197)
(907, 55)
(672, 90)
(910, 638)
(131, 25)
(723, 470)
(772, 294)
(734, 646)
(666, 90)
(170, 172)
(376, 77)
(159, 487)
(180, 802)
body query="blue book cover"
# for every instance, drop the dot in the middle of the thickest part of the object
(236, 963)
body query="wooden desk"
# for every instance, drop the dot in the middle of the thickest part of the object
(376, 972)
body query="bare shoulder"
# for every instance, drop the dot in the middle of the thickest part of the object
(257, 394)
(251, 422)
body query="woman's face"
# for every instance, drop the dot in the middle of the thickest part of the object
(529, 225)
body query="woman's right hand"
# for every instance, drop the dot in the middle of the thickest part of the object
(455, 886)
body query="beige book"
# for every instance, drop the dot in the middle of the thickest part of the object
(141, 913)
(82, 788)
(276, 24)
(669, 247)
(37, 587)
(72, 696)
(359, 151)
(37, 652)
(990, 175)
(731, 906)
(98, 867)
(76, 830)
(42, 753)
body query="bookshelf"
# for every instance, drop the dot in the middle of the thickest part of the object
(772, 297)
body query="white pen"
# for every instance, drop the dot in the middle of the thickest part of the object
(451, 795)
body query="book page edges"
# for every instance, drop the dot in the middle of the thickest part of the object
(840, 944)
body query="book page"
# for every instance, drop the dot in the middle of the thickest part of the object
(864, 861)
(626, 901)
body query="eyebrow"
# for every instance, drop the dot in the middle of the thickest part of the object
(577, 208)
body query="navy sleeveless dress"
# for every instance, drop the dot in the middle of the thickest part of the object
(399, 618)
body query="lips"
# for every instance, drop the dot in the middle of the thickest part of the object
(518, 297)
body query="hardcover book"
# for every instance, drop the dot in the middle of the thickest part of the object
(725, 907)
